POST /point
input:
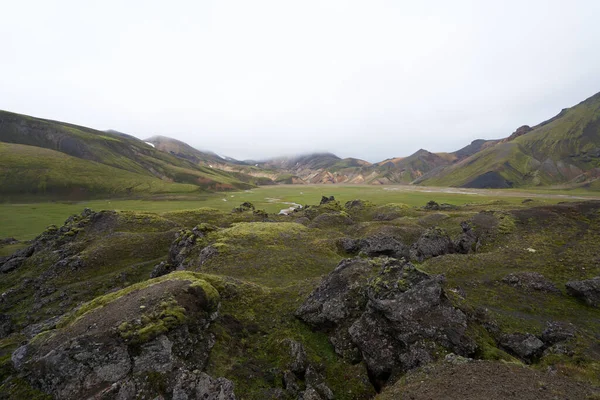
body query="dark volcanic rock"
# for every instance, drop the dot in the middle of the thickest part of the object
(523, 345)
(557, 332)
(530, 281)
(298, 355)
(198, 385)
(380, 245)
(467, 241)
(6, 326)
(587, 290)
(407, 316)
(434, 242)
(161, 269)
(396, 316)
(348, 245)
(182, 247)
(325, 200)
(159, 330)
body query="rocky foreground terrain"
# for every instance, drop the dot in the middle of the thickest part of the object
(334, 301)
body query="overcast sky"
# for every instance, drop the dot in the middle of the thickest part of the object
(253, 79)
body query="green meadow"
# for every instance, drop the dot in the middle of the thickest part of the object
(25, 220)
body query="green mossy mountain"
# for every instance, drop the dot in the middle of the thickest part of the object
(119, 151)
(562, 150)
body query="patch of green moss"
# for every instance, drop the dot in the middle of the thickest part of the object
(167, 316)
(212, 295)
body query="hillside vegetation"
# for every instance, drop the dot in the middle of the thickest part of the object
(334, 301)
(113, 149)
(563, 150)
(43, 173)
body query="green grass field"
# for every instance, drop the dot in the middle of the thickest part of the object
(24, 221)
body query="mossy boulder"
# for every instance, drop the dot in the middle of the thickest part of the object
(117, 341)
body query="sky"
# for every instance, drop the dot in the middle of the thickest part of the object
(370, 79)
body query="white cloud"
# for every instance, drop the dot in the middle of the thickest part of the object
(368, 79)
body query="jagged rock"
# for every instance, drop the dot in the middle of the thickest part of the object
(432, 205)
(182, 247)
(161, 269)
(407, 313)
(311, 394)
(586, 290)
(394, 314)
(9, 240)
(467, 241)
(245, 206)
(206, 254)
(380, 245)
(530, 281)
(12, 264)
(348, 245)
(434, 242)
(198, 385)
(557, 332)
(6, 326)
(298, 355)
(160, 329)
(338, 301)
(290, 383)
(341, 295)
(325, 200)
(524, 345)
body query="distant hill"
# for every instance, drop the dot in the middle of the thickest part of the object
(122, 152)
(237, 169)
(562, 150)
(29, 170)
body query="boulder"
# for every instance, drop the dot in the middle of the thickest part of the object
(396, 316)
(557, 332)
(161, 269)
(434, 242)
(524, 345)
(586, 290)
(348, 245)
(198, 385)
(182, 247)
(530, 281)
(325, 200)
(467, 241)
(6, 326)
(157, 330)
(382, 245)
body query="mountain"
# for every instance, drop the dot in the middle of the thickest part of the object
(238, 169)
(124, 153)
(30, 170)
(562, 150)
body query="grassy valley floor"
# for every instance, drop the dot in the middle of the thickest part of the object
(24, 221)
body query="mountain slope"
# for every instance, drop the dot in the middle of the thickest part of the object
(30, 170)
(562, 150)
(111, 148)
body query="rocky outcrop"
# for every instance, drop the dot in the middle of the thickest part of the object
(467, 241)
(6, 326)
(182, 247)
(530, 281)
(434, 242)
(587, 290)
(382, 245)
(388, 313)
(142, 342)
(326, 200)
(524, 345)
